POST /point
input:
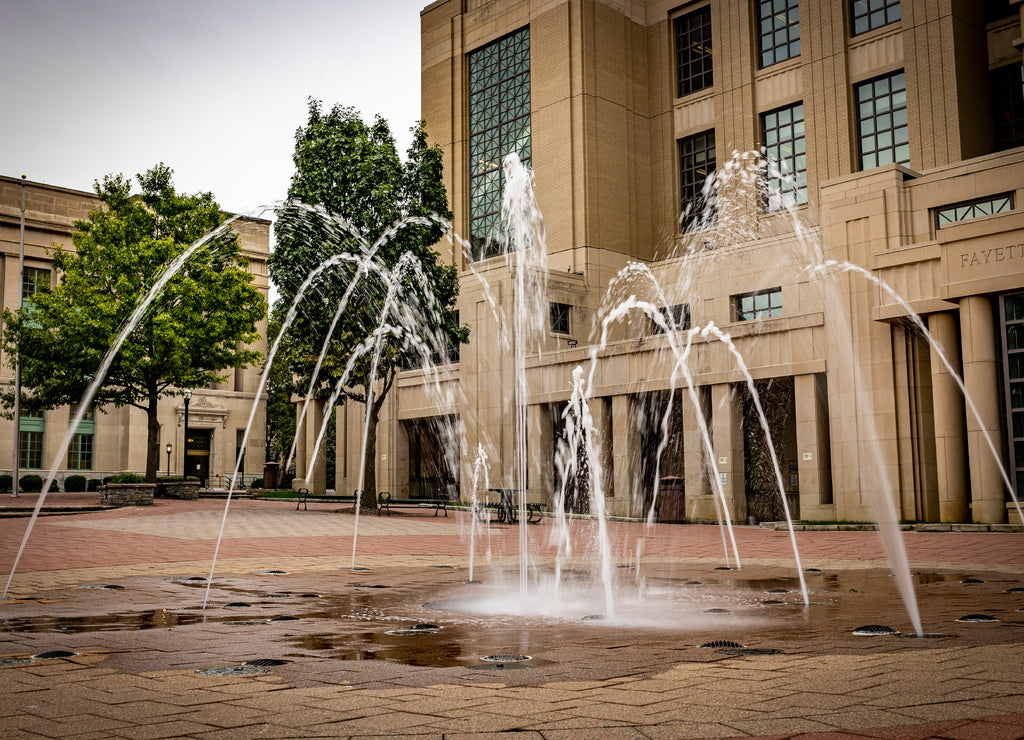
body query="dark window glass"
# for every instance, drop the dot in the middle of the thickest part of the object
(973, 209)
(778, 30)
(1011, 315)
(560, 318)
(1008, 105)
(761, 304)
(997, 10)
(693, 52)
(785, 157)
(499, 123)
(677, 317)
(866, 15)
(696, 165)
(34, 280)
(80, 452)
(882, 121)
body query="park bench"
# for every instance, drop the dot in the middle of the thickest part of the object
(305, 496)
(386, 502)
(508, 510)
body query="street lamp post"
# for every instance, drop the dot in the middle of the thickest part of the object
(187, 393)
(168, 459)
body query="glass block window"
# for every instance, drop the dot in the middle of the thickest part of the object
(677, 316)
(1011, 315)
(866, 15)
(696, 164)
(785, 157)
(973, 209)
(560, 318)
(499, 123)
(34, 280)
(80, 451)
(761, 304)
(693, 51)
(778, 30)
(882, 121)
(31, 425)
(1008, 105)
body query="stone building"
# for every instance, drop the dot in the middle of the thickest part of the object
(891, 133)
(114, 440)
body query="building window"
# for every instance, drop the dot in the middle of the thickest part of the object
(786, 157)
(696, 165)
(866, 15)
(31, 425)
(761, 304)
(882, 121)
(977, 208)
(778, 30)
(693, 52)
(1008, 105)
(1011, 314)
(677, 317)
(80, 450)
(499, 123)
(560, 318)
(34, 280)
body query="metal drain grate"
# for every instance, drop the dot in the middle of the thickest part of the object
(748, 651)
(776, 591)
(54, 654)
(275, 596)
(1015, 590)
(309, 596)
(875, 629)
(266, 662)
(270, 572)
(593, 618)
(284, 618)
(7, 662)
(724, 567)
(231, 670)
(245, 622)
(977, 618)
(195, 579)
(112, 587)
(971, 580)
(716, 610)
(772, 602)
(716, 644)
(927, 635)
(692, 583)
(358, 570)
(812, 570)
(506, 658)
(442, 567)
(237, 605)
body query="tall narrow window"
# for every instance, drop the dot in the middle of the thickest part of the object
(34, 280)
(696, 165)
(80, 449)
(693, 52)
(30, 436)
(1008, 105)
(778, 30)
(1011, 314)
(786, 157)
(499, 123)
(882, 121)
(866, 15)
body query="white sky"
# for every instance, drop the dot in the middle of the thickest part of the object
(213, 88)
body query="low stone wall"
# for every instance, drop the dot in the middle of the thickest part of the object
(188, 491)
(127, 494)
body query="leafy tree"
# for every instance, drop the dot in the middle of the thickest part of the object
(353, 171)
(193, 330)
(280, 409)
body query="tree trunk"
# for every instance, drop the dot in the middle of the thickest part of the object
(152, 439)
(368, 502)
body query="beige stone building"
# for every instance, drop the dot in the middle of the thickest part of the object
(114, 440)
(892, 135)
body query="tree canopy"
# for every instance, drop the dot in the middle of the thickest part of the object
(193, 330)
(352, 173)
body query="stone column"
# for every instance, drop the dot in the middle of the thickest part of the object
(540, 462)
(299, 481)
(981, 378)
(315, 470)
(601, 414)
(812, 443)
(727, 437)
(699, 504)
(950, 429)
(625, 471)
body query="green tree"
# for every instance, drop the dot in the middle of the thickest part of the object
(280, 409)
(192, 331)
(354, 172)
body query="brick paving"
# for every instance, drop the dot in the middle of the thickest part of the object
(138, 646)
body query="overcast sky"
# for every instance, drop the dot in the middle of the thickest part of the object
(213, 88)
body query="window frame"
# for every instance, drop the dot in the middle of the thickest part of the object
(765, 13)
(678, 314)
(871, 15)
(891, 112)
(560, 315)
(692, 200)
(755, 313)
(784, 190)
(1007, 103)
(694, 71)
(1001, 203)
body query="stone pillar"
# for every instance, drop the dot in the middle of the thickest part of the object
(315, 471)
(625, 470)
(699, 504)
(981, 378)
(601, 414)
(540, 433)
(950, 429)
(812, 443)
(299, 481)
(727, 437)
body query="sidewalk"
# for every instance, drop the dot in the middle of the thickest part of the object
(139, 642)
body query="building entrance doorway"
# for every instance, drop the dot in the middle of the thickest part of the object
(762, 487)
(197, 455)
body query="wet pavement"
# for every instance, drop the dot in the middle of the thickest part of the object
(104, 634)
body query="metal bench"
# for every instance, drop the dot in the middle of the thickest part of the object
(508, 510)
(386, 502)
(306, 496)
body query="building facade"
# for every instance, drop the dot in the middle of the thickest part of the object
(869, 169)
(113, 440)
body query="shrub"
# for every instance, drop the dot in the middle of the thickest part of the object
(5, 483)
(75, 483)
(258, 483)
(93, 484)
(126, 478)
(54, 486)
(31, 483)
